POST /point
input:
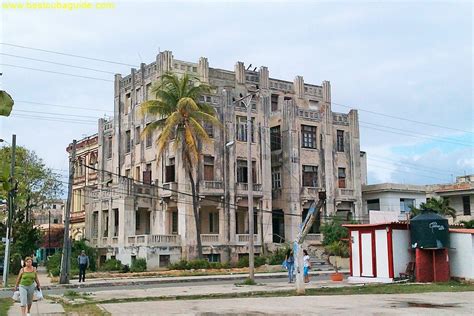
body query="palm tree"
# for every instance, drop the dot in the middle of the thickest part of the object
(440, 206)
(180, 116)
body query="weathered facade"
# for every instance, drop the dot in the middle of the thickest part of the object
(142, 206)
(85, 181)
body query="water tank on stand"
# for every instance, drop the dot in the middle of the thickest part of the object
(429, 234)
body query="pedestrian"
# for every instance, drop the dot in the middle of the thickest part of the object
(306, 266)
(26, 283)
(35, 261)
(290, 264)
(83, 261)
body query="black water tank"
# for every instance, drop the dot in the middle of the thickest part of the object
(429, 231)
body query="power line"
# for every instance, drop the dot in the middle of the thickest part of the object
(62, 106)
(407, 166)
(56, 63)
(413, 164)
(402, 118)
(412, 135)
(67, 54)
(60, 114)
(396, 170)
(56, 72)
(51, 119)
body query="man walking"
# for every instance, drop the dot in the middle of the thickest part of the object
(83, 261)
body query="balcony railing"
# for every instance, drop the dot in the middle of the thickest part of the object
(245, 238)
(209, 238)
(211, 185)
(346, 192)
(245, 186)
(169, 189)
(79, 179)
(105, 240)
(310, 191)
(313, 237)
(154, 240)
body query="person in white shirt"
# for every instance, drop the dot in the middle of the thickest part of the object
(306, 265)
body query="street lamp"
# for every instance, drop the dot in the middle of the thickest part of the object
(246, 101)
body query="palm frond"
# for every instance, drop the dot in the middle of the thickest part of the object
(198, 129)
(202, 116)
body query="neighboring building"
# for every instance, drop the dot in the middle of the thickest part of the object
(393, 197)
(398, 198)
(460, 195)
(461, 253)
(85, 181)
(51, 212)
(299, 147)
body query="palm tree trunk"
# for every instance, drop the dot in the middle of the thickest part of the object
(196, 213)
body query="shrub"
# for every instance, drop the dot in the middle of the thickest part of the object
(333, 231)
(468, 224)
(53, 265)
(138, 265)
(277, 257)
(243, 262)
(125, 268)
(15, 263)
(260, 261)
(77, 247)
(338, 248)
(111, 265)
(180, 265)
(215, 265)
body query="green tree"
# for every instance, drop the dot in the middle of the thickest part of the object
(180, 117)
(436, 205)
(333, 231)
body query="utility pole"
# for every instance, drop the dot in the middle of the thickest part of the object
(48, 251)
(11, 210)
(250, 187)
(64, 276)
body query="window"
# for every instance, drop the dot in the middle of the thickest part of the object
(242, 171)
(147, 174)
(406, 205)
(109, 147)
(309, 136)
(148, 138)
(138, 95)
(209, 129)
(128, 102)
(164, 260)
(340, 141)
(213, 223)
(174, 223)
(170, 174)
(127, 173)
(208, 168)
(466, 205)
(314, 105)
(127, 141)
(373, 205)
(214, 257)
(137, 173)
(137, 220)
(148, 91)
(275, 138)
(310, 176)
(276, 178)
(274, 102)
(137, 135)
(241, 128)
(54, 206)
(116, 221)
(341, 177)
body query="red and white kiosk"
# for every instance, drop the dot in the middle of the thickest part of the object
(378, 252)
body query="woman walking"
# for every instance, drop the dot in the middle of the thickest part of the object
(306, 266)
(25, 283)
(290, 264)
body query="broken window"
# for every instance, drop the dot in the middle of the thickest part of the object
(341, 177)
(309, 136)
(310, 176)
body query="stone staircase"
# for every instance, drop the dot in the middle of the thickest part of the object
(318, 259)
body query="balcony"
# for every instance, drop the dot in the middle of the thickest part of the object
(104, 241)
(242, 189)
(243, 239)
(78, 217)
(210, 238)
(211, 187)
(345, 195)
(154, 240)
(169, 189)
(79, 179)
(309, 193)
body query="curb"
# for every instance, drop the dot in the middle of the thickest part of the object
(167, 281)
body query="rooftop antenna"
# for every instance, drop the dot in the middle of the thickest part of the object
(249, 66)
(139, 56)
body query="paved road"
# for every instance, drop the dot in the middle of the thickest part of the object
(163, 285)
(388, 304)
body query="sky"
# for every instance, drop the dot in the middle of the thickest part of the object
(407, 66)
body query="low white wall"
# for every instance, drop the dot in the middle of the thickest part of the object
(402, 253)
(461, 255)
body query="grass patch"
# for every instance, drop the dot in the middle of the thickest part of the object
(5, 304)
(247, 281)
(84, 309)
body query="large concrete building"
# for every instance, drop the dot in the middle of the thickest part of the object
(142, 205)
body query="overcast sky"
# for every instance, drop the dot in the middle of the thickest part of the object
(402, 59)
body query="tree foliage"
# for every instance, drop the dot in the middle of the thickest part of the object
(333, 231)
(180, 117)
(436, 205)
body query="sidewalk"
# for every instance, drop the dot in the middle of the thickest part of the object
(47, 285)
